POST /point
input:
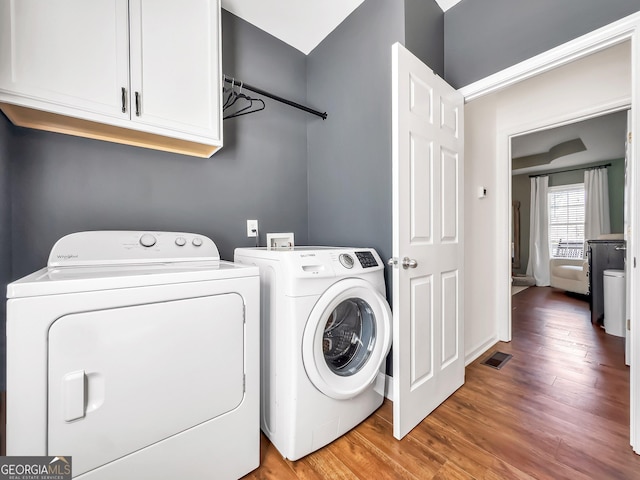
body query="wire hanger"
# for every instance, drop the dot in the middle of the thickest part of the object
(248, 109)
(246, 104)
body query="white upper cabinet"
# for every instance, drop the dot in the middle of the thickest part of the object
(70, 52)
(174, 50)
(141, 72)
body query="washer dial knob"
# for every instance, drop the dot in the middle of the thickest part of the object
(346, 260)
(181, 242)
(147, 240)
(197, 242)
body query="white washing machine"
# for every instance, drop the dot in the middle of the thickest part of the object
(137, 354)
(326, 331)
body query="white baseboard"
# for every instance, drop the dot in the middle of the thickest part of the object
(475, 353)
(388, 387)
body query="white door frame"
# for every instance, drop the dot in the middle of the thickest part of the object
(626, 29)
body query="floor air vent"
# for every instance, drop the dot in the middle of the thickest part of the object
(497, 360)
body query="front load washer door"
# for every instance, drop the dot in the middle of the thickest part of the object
(346, 338)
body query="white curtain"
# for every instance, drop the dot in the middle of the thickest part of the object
(538, 266)
(596, 203)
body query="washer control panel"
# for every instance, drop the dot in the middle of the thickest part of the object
(366, 259)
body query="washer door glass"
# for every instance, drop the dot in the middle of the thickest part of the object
(349, 336)
(346, 338)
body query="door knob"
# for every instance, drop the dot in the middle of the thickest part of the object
(393, 262)
(409, 263)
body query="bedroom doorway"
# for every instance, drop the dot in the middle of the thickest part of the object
(563, 154)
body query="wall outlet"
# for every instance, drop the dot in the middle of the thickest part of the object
(252, 228)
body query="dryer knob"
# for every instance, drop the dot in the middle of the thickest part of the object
(197, 242)
(147, 240)
(180, 241)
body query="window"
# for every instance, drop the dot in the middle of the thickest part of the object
(566, 221)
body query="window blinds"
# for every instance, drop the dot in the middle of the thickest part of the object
(566, 220)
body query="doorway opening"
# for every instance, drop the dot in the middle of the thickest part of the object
(571, 260)
(590, 112)
(563, 154)
(536, 93)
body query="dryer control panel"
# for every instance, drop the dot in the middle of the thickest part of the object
(131, 247)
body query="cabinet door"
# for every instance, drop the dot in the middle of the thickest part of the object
(175, 69)
(73, 53)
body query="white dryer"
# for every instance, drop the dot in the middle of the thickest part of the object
(137, 354)
(326, 331)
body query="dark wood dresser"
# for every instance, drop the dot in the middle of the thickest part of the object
(602, 255)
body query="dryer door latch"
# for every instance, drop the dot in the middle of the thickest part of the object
(73, 392)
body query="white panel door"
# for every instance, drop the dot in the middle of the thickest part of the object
(428, 347)
(175, 72)
(69, 52)
(125, 378)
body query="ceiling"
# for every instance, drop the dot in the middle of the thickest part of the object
(303, 24)
(603, 137)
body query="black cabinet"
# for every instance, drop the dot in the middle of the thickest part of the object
(603, 255)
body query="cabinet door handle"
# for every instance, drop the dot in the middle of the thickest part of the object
(124, 100)
(137, 104)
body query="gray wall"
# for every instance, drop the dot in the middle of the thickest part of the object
(521, 190)
(424, 32)
(482, 37)
(349, 75)
(349, 154)
(5, 234)
(63, 184)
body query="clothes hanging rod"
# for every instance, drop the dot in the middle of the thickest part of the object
(571, 170)
(259, 91)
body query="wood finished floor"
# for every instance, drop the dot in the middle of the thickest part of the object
(559, 409)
